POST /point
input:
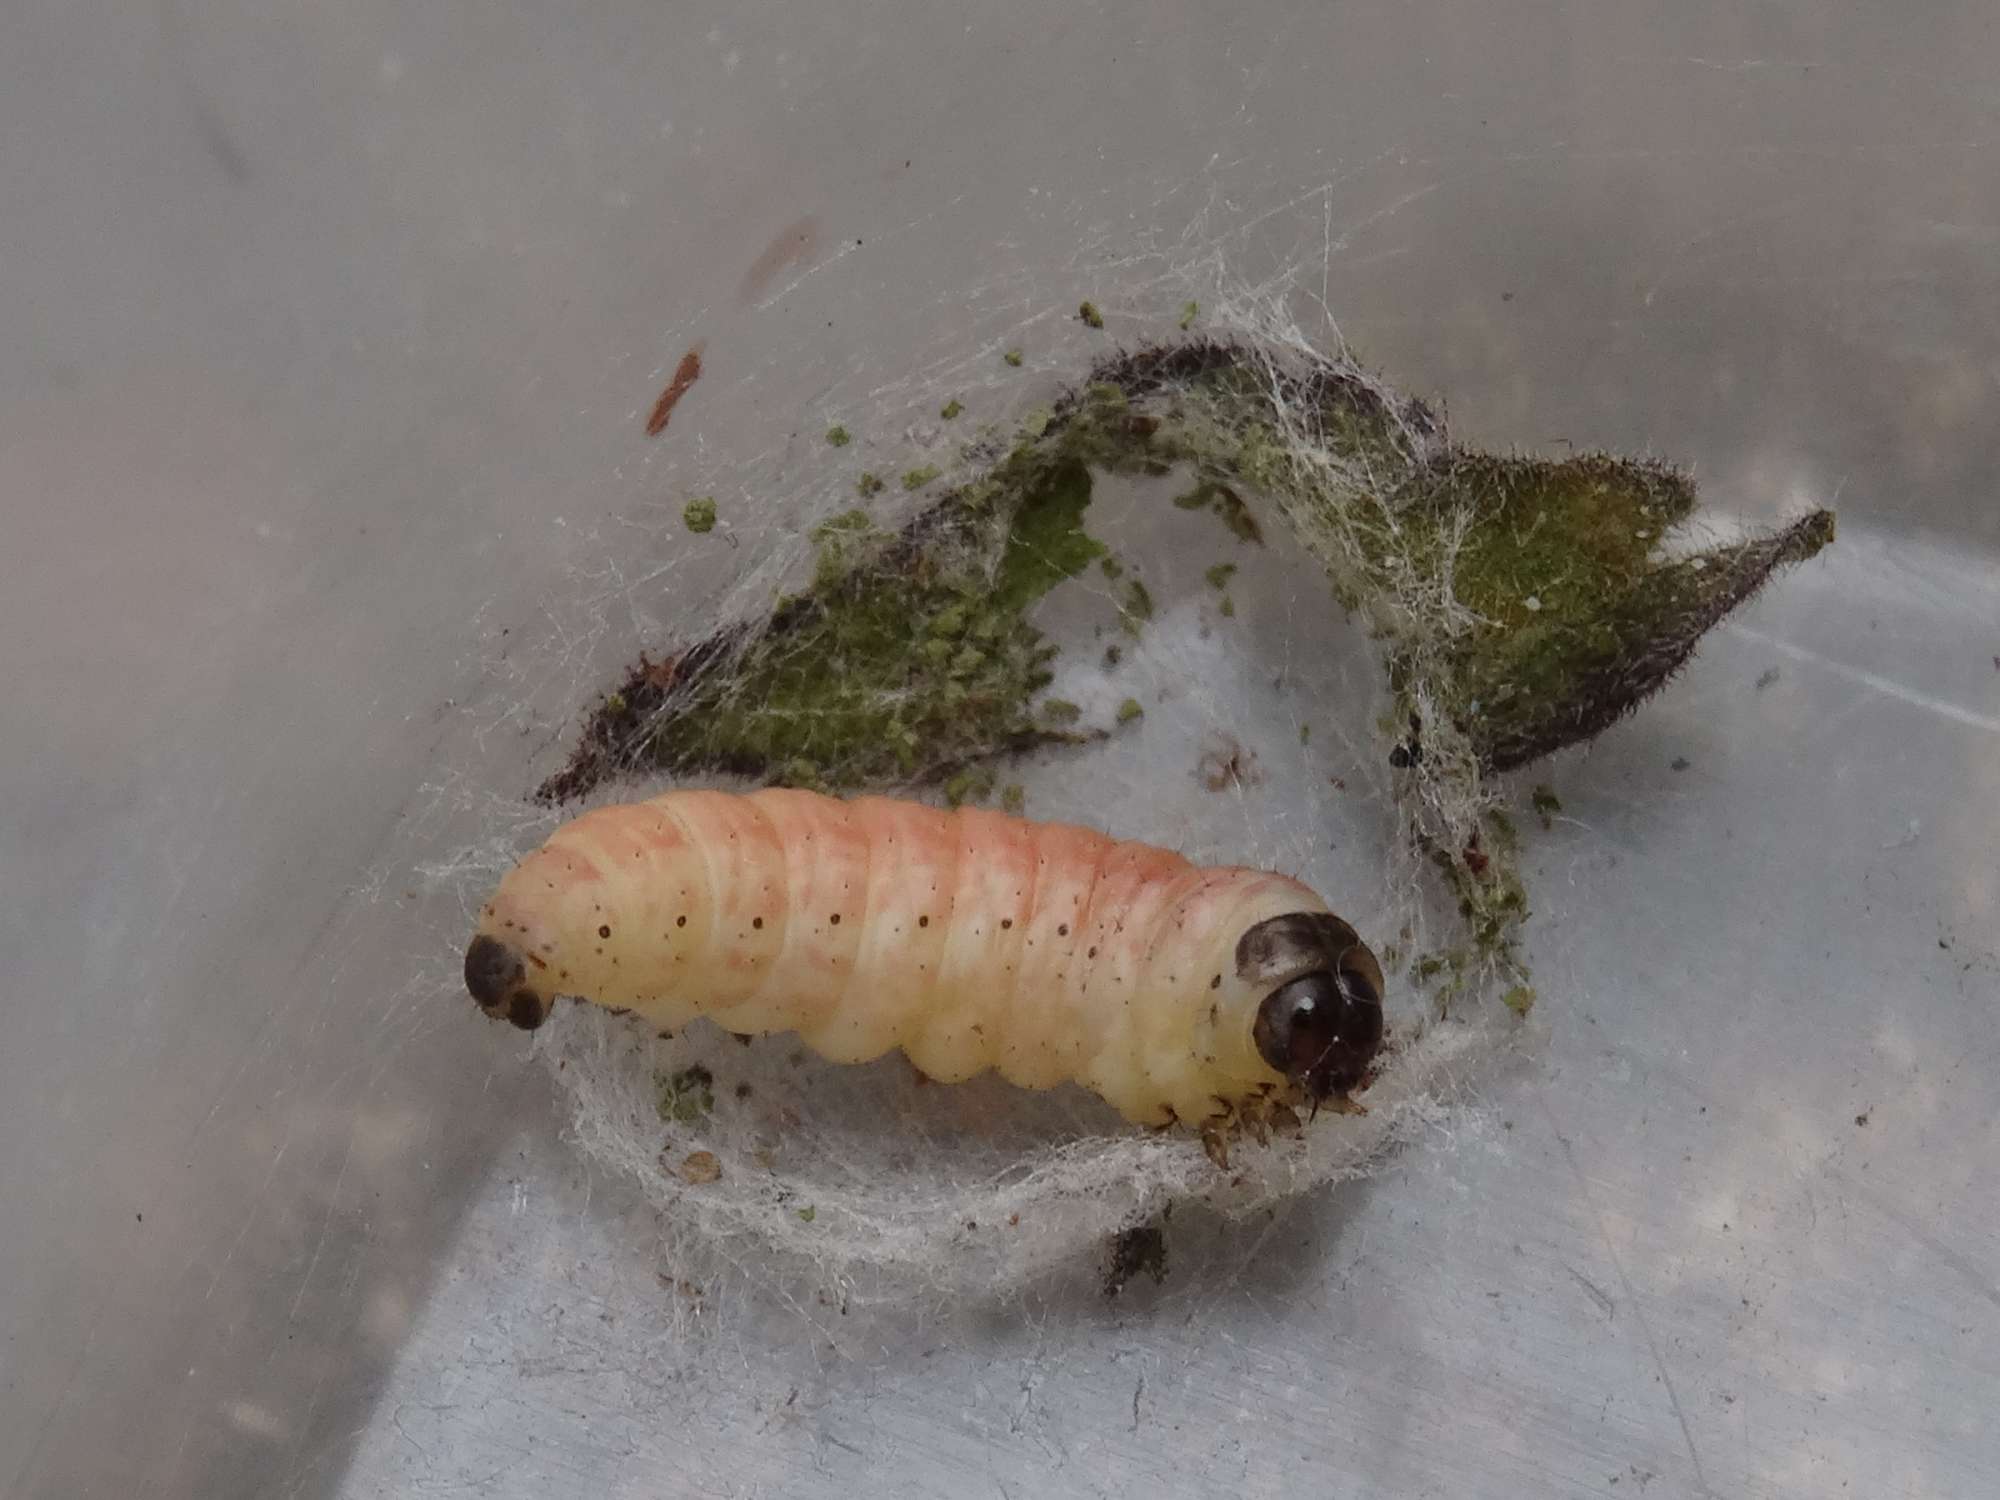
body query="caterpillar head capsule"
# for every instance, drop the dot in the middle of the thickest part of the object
(1321, 1023)
(498, 980)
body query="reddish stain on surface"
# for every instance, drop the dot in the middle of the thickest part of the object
(686, 373)
(791, 245)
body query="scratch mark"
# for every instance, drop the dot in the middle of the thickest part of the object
(1137, 1391)
(325, 1226)
(1597, 1293)
(848, 249)
(1887, 686)
(1638, 1311)
(1713, 232)
(1974, 1275)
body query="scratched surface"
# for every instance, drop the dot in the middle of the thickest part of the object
(323, 333)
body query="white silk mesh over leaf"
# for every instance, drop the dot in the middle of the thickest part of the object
(1261, 743)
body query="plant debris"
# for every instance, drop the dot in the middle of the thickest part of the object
(687, 1096)
(1546, 804)
(1140, 1250)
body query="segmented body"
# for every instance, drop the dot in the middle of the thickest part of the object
(969, 939)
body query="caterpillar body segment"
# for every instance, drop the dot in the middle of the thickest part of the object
(969, 939)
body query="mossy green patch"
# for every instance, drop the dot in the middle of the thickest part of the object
(1226, 504)
(909, 657)
(917, 478)
(1089, 316)
(973, 784)
(1136, 607)
(951, 409)
(1546, 804)
(687, 1096)
(698, 515)
(1129, 710)
(869, 486)
(838, 436)
(1047, 542)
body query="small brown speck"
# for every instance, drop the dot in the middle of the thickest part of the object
(604, 932)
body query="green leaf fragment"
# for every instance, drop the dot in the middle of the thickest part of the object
(1546, 804)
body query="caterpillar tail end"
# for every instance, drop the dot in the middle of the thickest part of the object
(498, 979)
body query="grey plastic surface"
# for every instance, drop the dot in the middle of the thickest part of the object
(326, 333)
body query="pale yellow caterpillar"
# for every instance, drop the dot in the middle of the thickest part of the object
(969, 939)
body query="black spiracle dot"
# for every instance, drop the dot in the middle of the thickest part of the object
(758, 923)
(923, 921)
(1006, 924)
(1063, 930)
(680, 921)
(604, 931)
(1215, 983)
(834, 919)
(1091, 954)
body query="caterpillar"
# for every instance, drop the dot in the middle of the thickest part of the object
(970, 939)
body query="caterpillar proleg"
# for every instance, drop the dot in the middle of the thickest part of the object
(970, 939)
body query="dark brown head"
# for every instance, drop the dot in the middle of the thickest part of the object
(1321, 1024)
(498, 980)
